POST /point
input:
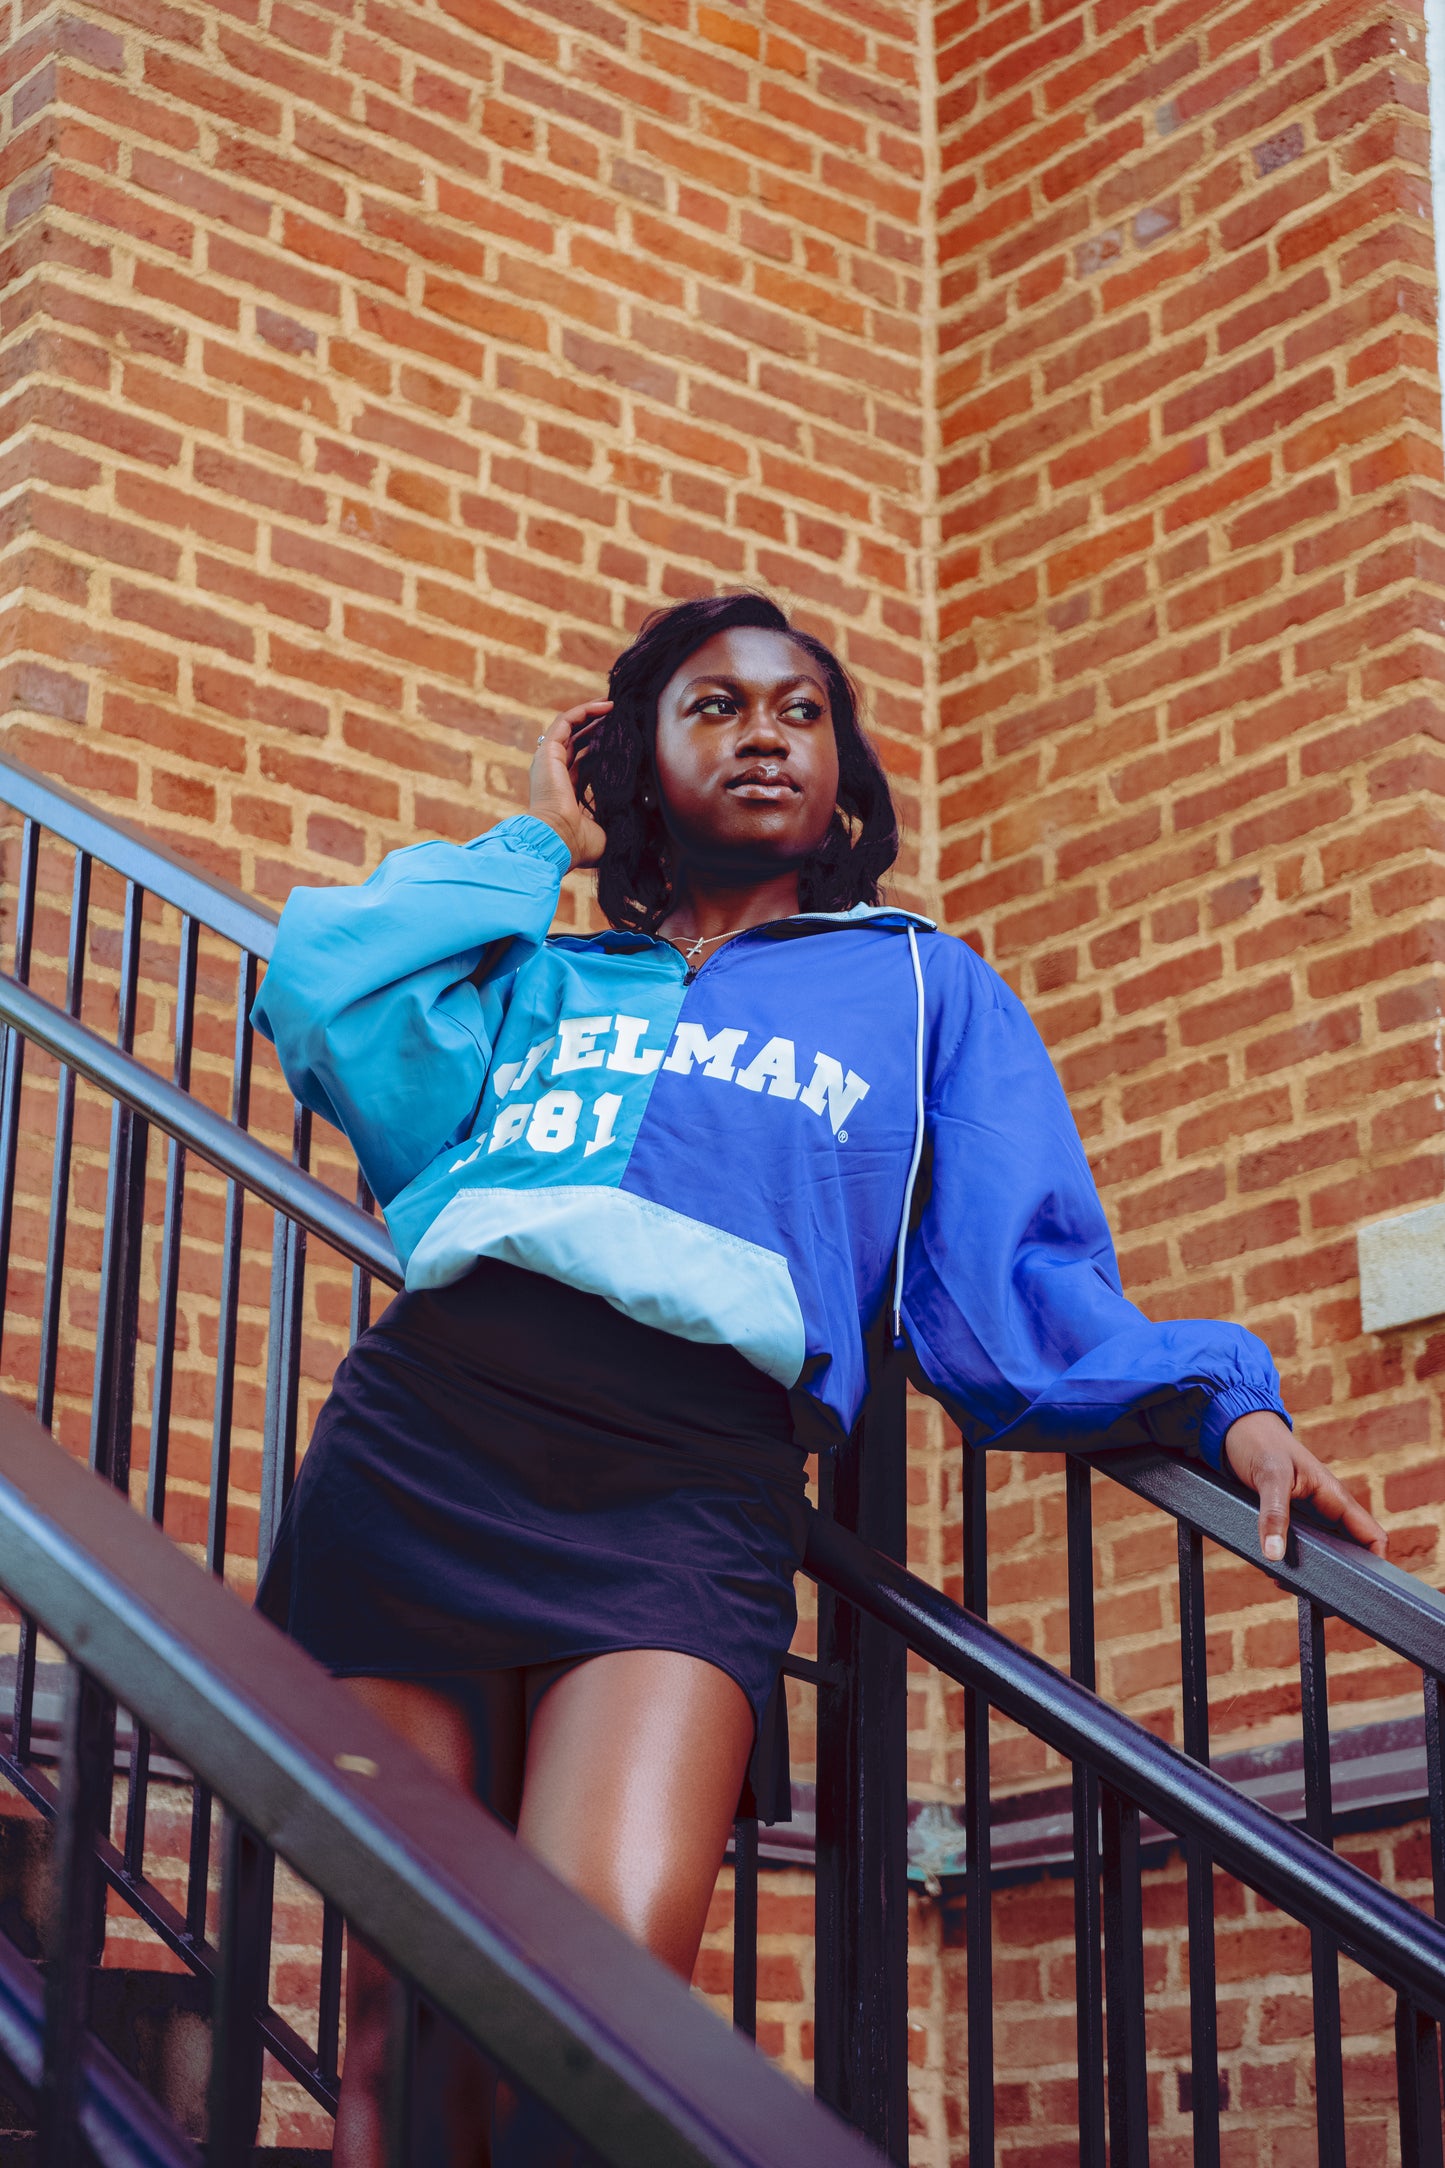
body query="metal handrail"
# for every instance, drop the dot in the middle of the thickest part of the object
(1383, 1933)
(232, 1151)
(565, 2001)
(1394, 1607)
(141, 858)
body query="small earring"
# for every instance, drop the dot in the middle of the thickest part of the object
(647, 797)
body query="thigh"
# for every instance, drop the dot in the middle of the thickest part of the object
(634, 1765)
(444, 1727)
(430, 1719)
(474, 1731)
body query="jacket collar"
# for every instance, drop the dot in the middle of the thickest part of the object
(883, 915)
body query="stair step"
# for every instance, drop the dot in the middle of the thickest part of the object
(156, 2023)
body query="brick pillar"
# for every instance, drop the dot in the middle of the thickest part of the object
(1190, 611)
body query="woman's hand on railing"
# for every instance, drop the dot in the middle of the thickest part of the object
(1266, 1456)
(554, 795)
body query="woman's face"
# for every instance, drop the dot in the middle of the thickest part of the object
(747, 758)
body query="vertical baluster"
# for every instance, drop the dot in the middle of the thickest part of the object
(1435, 1780)
(138, 1782)
(861, 2059)
(283, 1375)
(977, 1831)
(745, 1926)
(1319, 1821)
(118, 1320)
(328, 2001)
(199, 1866)
(230, 1281)
(361, 1281)
(283, 1360)
(401, 2092)
(1199, 1867)
(9, 1134)
(23, 1706)
(327, 2023)
(1088, 1919)
(64, 1139)
(14, 1070)
(171, 1237)
(77, 1904)
(1124, 1973)
(234, 2107)
(1417, 2078)
(163, 1376)
(115, 1332)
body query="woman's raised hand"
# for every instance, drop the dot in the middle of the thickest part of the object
(554, 796)
(1269, 1459)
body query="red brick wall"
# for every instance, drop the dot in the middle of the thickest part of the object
(374, 369)
(369, 371)
(1266, 2048)
(1189, 610)
(1189, 495)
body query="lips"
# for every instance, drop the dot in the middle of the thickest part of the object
(765, 783)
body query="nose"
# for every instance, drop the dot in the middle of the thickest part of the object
(762, 733)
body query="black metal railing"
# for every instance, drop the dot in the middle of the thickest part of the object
(560, 1999)
(1122, 1772)
(870, 1613)
(1328, 1577)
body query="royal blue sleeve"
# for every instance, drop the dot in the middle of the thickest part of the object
(1012, 1298)
(370, 996)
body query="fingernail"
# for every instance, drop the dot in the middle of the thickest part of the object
(1274, 1546)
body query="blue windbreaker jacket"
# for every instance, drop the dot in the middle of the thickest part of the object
(732, 1153)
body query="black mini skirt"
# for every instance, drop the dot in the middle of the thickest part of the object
(510, 1474)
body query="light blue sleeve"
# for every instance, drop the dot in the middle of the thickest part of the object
(370, 996)
(1012, 1298)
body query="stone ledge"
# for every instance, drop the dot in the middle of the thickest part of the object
(1378, 1774)
(1402, 1269)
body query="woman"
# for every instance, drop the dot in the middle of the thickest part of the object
(652, 1190)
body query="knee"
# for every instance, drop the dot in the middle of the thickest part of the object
(664, 1912)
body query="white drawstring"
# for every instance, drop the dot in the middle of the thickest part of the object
(917, 1140)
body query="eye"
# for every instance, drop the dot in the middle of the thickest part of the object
(803, 710)
(716, 704)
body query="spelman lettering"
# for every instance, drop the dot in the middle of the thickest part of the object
(551, 1122)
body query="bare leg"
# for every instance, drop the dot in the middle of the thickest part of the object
(634, 1765)
(439, 1727)
(633, 1768)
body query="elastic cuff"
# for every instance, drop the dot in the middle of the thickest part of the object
(1227, 1407)
(538, 839)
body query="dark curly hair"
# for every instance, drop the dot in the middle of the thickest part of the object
(619, 775)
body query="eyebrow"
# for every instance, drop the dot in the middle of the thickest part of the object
(736, 685)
